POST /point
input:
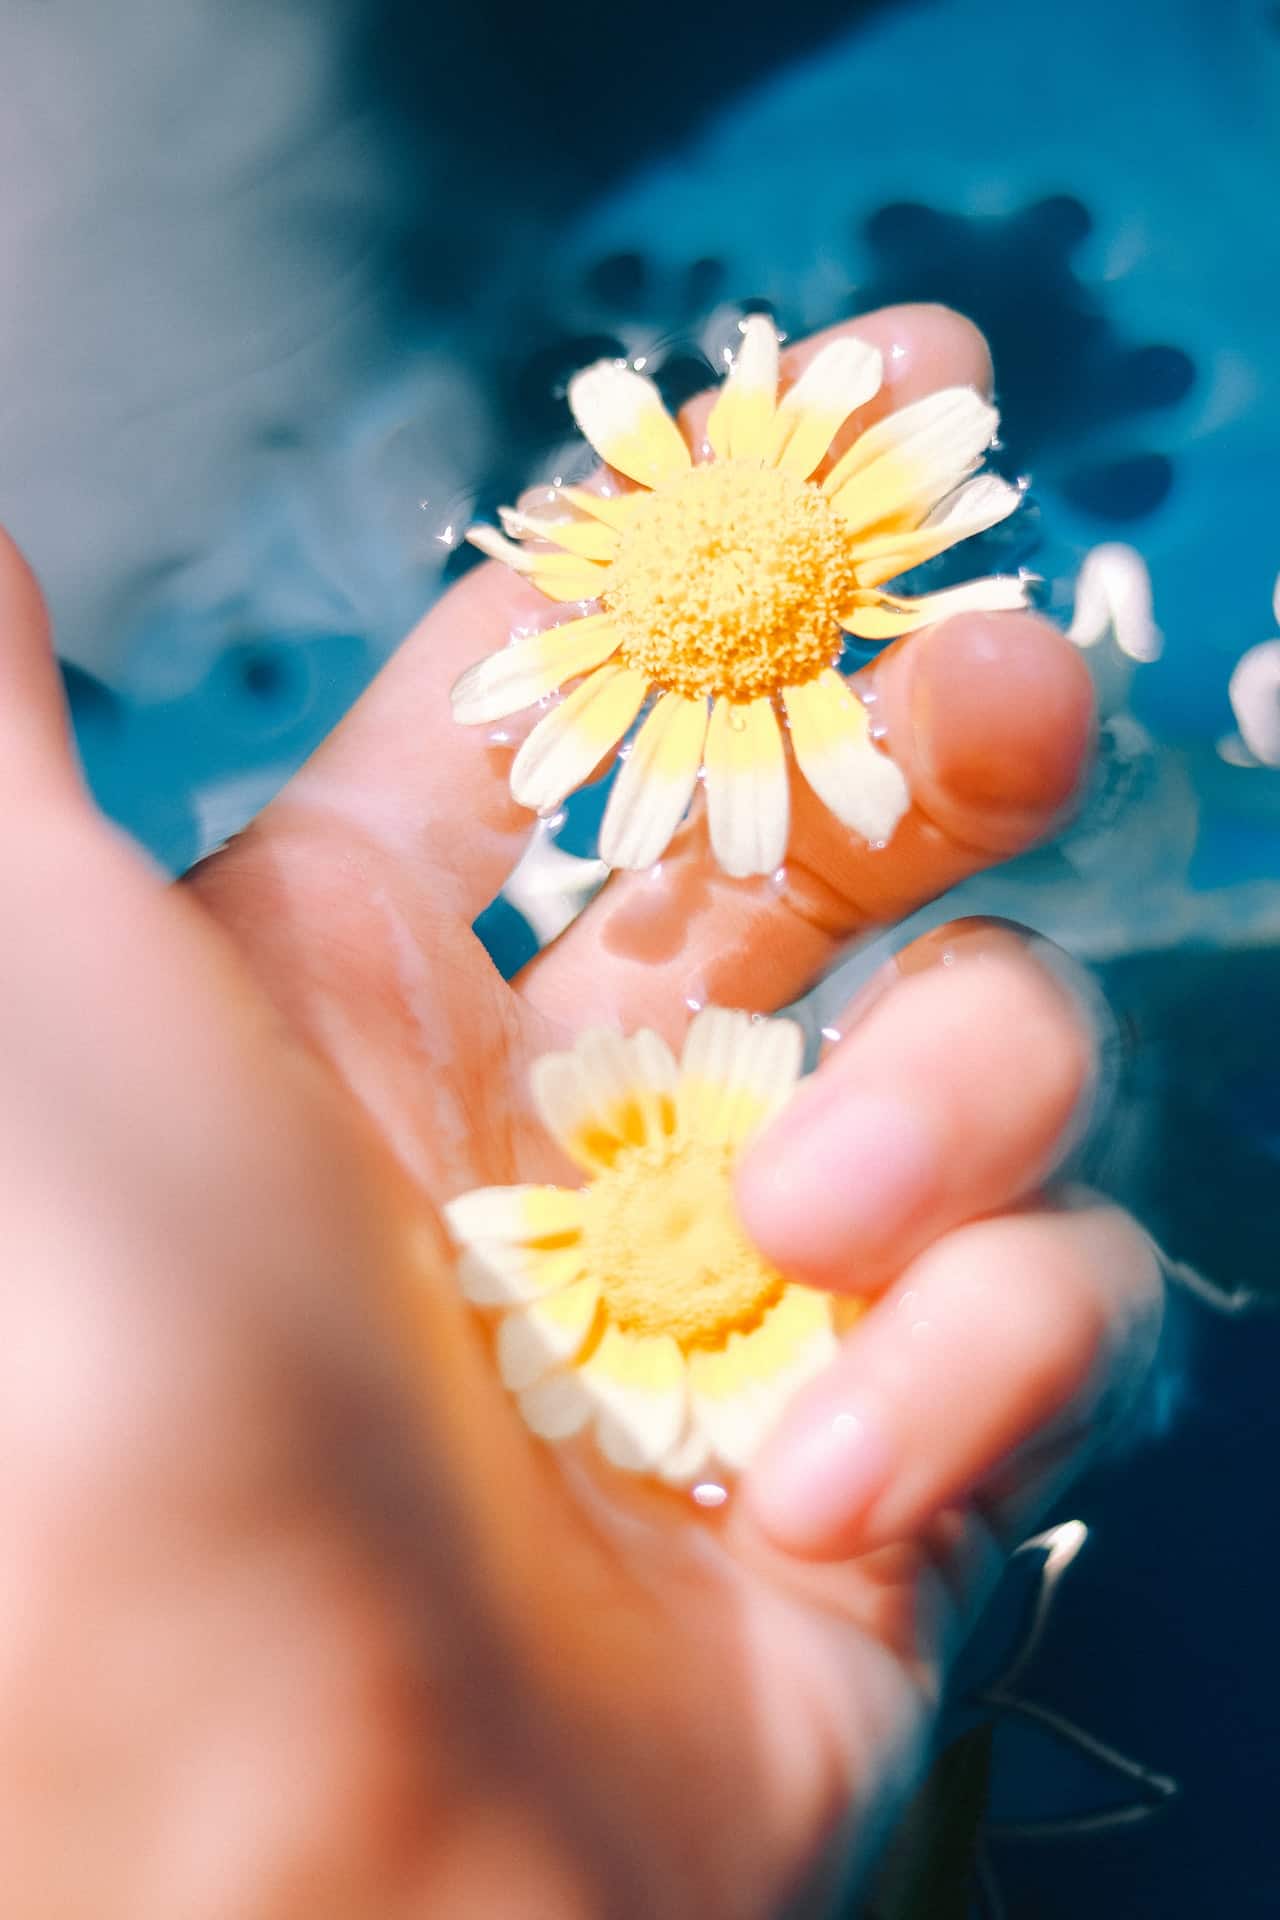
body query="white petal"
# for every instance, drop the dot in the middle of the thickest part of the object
(493, 1273)
(568, 744)
(621, 413)
(518, 1215)
(831, 739)
(748, 797)
(557, 1406)
(689, 1458)
(739, 421)
(839, 379)
(887, 616)
(739, 1394)
(905, 463)
(607, 1092)
(536, 664)
(639, 1390)
(735, 1072)
(546, 1333)
(589, 539)
(655, 784)
(1113, 595)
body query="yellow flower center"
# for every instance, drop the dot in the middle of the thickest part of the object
(663, 1237)
(731, 580)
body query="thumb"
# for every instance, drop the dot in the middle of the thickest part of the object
(37, 758)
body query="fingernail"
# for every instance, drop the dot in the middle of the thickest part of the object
(838, 1174)
(817, 1479)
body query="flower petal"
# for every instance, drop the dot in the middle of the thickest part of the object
(748, 798)
(520, 1216)
(639, 1388)
(831, 739)
(493, 1273)
(519, 675)
(905, 463)
(557, 1406)
(546, 1333)
(655, 785)
(889, 615)
(561, 576)
(735, 1072)
(621, 413)
(972, 508)
(838, 380)
(689, 1458)
(615, 509)
(569, 743)
(608, 1092)
(739, 1393)
(739, 422)
(589, 539)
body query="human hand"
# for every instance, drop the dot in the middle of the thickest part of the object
(297, 1618)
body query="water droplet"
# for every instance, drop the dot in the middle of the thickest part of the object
(499, 737)
(709, 1493)
(694, 1005)
(832, 1035)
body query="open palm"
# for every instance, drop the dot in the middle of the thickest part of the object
(335, 1635)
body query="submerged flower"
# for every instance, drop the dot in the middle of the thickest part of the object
(636, 1304)
(723, 590)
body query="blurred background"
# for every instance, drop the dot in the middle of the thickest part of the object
(290, 289)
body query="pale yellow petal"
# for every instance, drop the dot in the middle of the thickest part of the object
(639, 1391)
(522, 1216)
(607, 1092)
(972, 508)
(588, 539)
(735, 1072)
(546, 1333)
(888, 615)
(561, 576)
(740, 420)
(621, 413)
(748, 797)
(723, 1404)
(494, 1273)
(839, 379)
(655, 784)
(557, 1406)
(739, 1393)
(568, 744)
(520, 675)
(908, 461)
(831, 739)
(615, 509)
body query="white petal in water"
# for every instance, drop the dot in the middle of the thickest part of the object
(1113, 595)
(1254, 688)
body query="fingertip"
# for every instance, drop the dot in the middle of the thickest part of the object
(1001, 715)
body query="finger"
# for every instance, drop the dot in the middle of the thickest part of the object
(990, 718)
(37, 762)
(953, 1094)
(1000, 1330)
(400, 777)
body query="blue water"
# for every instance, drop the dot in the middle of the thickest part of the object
(468, 209)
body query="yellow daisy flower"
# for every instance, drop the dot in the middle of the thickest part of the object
(723, 587)
(636, 1305)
